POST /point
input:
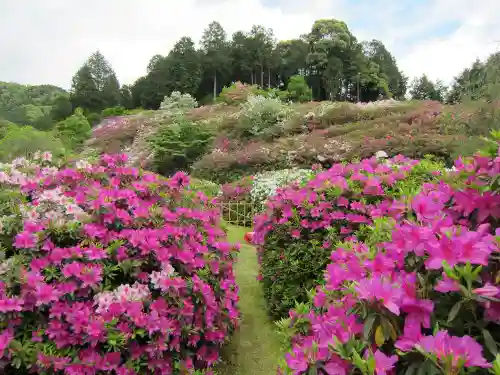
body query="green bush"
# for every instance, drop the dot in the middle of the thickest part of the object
(5, 126)
(261, 116)
(209, 188)
(176, 146)
(94, 118)
(113, 111)
(298, 89)
(24, 141)
(74, 130)
(237, 93)
(303, 223)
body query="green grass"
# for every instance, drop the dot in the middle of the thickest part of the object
(255, 348)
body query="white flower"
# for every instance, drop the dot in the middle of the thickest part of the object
(381, 155)
(47, 156)
(267, 183)
(82, 164)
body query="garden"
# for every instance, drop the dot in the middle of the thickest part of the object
(375, 246)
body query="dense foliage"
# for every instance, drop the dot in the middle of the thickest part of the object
(25, 141)
(39, 106)
(416, 295)
(177, 145)
(104, 272)
(301, 223)
(74, 130)
(329, 59)
(301, 135)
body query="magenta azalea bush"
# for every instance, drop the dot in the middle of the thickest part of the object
(418, 295)
(302, 223)
(107, 273)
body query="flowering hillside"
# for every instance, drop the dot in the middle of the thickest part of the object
(105, 272)
(224, 142)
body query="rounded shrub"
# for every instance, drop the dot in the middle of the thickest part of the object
(418, 296)
(106, 273)
(302, 222)
(25, 141)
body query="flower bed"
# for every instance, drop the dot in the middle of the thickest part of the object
(301, 223)
(109, 274)
(417, 296)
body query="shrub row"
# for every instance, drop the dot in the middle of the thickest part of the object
(105, 272)
(414, 294)
(301, 223)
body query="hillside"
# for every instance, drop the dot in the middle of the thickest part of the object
(266, 134)
(33, 105)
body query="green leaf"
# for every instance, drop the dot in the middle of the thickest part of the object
(454, 311)
(490, 342)
(368, 326)
(411, 369)
(379, 336)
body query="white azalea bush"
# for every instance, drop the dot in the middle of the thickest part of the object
(260, 115)
(178, 103)
(266, 184)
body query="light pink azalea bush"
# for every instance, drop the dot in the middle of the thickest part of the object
(302, 222)
(420, 294)
(109, 274)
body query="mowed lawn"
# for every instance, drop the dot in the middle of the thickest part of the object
(254, 349)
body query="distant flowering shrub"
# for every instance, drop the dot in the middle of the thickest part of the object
(237, 191)
(177, 103)
(237, 93)
(266, 184)
(107, 273)
(260, 115)
(418, 295)
(301, 223)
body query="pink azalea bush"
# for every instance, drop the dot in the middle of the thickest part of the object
(237, 191)
(419, 294)
(108, 274)
(301, 223)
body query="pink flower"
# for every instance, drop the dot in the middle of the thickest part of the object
(487, 290)
(25, 240)
(377, 289)
(446, 285)
(383, 363)
(6, 337)
(451, 350)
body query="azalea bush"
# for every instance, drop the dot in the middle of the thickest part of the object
(301, 223)
(266, 184)
(417, 295)
(114, 134)
(237, 93)
(104, 271)
(177, 103)
(261, 116)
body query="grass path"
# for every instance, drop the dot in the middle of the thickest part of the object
(254, 349)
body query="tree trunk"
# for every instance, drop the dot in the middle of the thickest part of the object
(262, 76)
(252, 77)
(215, 85)
(268, 77)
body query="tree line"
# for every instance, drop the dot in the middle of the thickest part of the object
(335, 65)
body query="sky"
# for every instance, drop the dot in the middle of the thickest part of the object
(46, 41)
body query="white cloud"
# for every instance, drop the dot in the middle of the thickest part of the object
(46, 41)
(477, 37)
